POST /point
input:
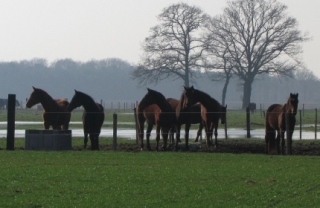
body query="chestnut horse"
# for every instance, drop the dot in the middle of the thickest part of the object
(55, 113)
(92, 118)
(156, 110)
(185, 116)
(275, 121)
(211, 111)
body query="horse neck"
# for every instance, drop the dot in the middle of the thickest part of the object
(287, 107)
(163, 104)
(47, 102)
(89, 105)
(208, 102)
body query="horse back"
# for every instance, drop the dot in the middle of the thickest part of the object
(62, 103)
(273, 116)
(173, 103)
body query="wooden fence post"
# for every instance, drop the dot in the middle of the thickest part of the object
(115, 118)
(136, 124)
(300, 122)
(11, 107)
(225, 127)
(288, 134)
(248, 122)
(315, 124)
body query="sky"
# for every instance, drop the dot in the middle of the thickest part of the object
(98, 29)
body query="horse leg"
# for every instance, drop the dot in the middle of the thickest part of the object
(187, 128)
(282, 141)
(165, 134)
(178, 129)
(199, 132)
(85, 141)
(46, 125)
(149, 128)
(65, 126)
(277, 141)
(141, 133)
(91, 141)
(94, 141)
(266, 139)
(216, 135)
(207, 135)
(158, 136)
(171, 135)
(97, 142)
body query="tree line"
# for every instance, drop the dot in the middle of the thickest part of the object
(111, 80)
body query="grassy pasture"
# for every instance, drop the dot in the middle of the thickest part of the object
(157, 179)
(235, 118)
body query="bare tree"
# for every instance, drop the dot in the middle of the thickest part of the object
(217, 59)
(174, 48)
(259, 38)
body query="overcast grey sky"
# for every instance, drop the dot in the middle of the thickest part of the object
(99, 29)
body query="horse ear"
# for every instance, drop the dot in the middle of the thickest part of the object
(192, 87)
(33, 87)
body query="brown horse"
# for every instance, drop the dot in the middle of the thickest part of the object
(156, 110)
(55, 112)
(92, 118)
(275, 121)
(185, 116)
(211, 111)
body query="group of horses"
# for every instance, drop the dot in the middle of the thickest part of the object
(57, 113)
(167, 114)
(195, 106)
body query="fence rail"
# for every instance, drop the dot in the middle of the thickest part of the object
(252, 120)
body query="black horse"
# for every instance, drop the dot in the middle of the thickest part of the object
(92, 118)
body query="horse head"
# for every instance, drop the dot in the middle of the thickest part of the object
(152, 97)
(292, 103)
(189, 97)
(223, 115)
(34, 98)
(75, 101)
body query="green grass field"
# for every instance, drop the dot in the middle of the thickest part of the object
(154, 179)
(157, 179)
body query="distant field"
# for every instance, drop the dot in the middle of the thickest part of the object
(235, 118)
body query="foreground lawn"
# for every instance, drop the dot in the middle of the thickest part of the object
(157, 179)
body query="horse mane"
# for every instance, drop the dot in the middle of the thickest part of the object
(180, 106)
(206, 96)
(145, 100)
(86, 95)
(43, 92)
(47, 95)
